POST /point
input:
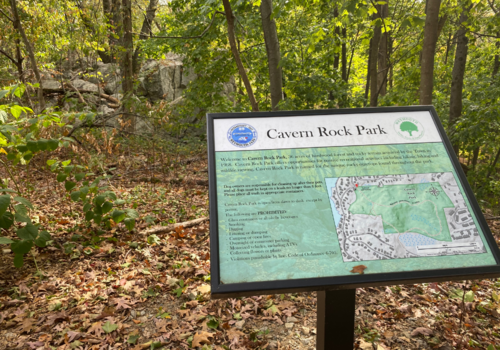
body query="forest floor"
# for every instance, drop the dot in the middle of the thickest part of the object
(142, 291)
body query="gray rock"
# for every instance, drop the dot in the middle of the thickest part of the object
(84, 86)
(291, 319)
(240, 324)
(113, 86)
(51, 85)
(103, 109)
(289, 325)
(161, 80)
(109, 74)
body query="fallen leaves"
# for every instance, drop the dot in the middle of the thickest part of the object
(422, 331)
(96, 328)
(359, 269)
(201, 338)
(26, 325)
(109, 327)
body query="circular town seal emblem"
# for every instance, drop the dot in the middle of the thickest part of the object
(409, 128)
(242, 135)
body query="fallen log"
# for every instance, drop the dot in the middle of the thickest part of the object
(172, 227)
(110, 98)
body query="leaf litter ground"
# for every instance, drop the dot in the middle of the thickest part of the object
(138, 291)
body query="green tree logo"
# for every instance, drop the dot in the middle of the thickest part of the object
(408, 126)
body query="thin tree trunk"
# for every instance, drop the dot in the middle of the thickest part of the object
(116, 30)
(391, 67)
(146, 31)
(448, 44)
(18, 26)
(496, 63)
(273, 53)
(377, 31)
(367, 86)
(344, 54)
(429, 51)
(336, 57)
(382, 54)
(475, 156)
(457, 75)
(126, 59)
(236, 54)
(106, 57)
(492, 167)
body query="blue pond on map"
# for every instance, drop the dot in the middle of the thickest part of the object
(410, 239)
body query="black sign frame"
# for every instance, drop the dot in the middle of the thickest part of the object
(220, 290)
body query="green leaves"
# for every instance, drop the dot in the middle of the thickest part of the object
(75, 196)
(5, 240)
(29, 232)
(4, 203)
(21, 247)
(69, 185)
(106, 207)
(6, 220)
(24, 201)
(42, 239)
(109, 327)
(61, 177)
(118, 216)
(18, 259)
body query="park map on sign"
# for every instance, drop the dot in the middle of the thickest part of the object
(402, 216)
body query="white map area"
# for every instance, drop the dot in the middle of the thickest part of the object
(363, 237)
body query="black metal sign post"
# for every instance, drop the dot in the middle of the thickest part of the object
(335, 324)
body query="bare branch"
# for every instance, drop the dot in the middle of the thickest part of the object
(6, 16)
(490, 2)
(486, 35)
(8, 56)
(186, 37)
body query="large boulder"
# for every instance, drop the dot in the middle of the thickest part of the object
(109, 75)
(51, 85)
(84, 86)
(164, 79)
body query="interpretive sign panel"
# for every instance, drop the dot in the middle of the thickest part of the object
(311, 200)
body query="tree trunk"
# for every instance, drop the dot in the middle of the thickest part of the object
(367, 86)
(382, 54)
(106, 57)
(428, 52)
(344, 54)
(18, 26)
(457, 75)
(391, 67)
(236, 54)
(273, 52)
(126, 59)
(377, 31)
(146, 31)
(336, 57)
(116, 30)
(496, 63)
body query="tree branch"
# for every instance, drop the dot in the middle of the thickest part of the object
(8, 56)
(185, 37)
(490, 2)
(6, 16)
(486, 35)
